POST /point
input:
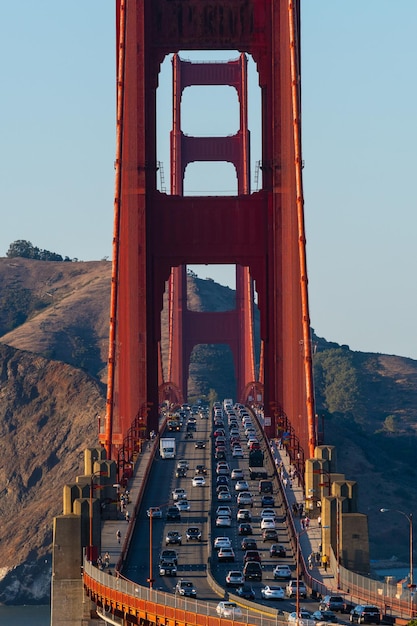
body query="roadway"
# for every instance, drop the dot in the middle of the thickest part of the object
(193, 558)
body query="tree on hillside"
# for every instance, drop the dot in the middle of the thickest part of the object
(26, 250)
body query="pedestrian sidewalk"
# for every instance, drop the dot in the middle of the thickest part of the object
(110, 542)
(310, 538)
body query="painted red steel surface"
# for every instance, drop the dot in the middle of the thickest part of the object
(268, 230)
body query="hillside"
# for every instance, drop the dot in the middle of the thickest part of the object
(53, 351)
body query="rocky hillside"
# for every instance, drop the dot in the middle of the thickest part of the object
(53, 350)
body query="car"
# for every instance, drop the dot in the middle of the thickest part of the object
(282, 572)
(222, 480)
(277, 550)
(169, 555)
(269, 534)
(245, 529)
(267, 522)
(173, 514)
(198, 481)
(200, 445)
(268, 513)
(237, 452)
(365, 614)
(167, 568)
(229, 610)
(246, 592)
(219, 432)
(183, 463)
(248, 543)
(332, 603)
(291, 589)
(155, 511)
(220, 455)
(224, 496)
(179, 494)
(181, 472)
(172, 537)
(272, 592)
(243, 515)
(221, 488)
(234, 578)
(267, 500)
(200, 469)
(186, 588)
(183, 505)
(241, 485)
(304, 618)
(222, 468)
(252, 555)
(220, 441)
(223, 521)
(222, 542)
(245, 498)
(223, 509)
(237, 474)
(226, 554)
(325, 616)
(252, 570)
(193, 533)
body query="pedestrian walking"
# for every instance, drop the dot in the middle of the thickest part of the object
(106, 559)
(318, 558)
(307, 522)
(303, 523)
(325, 561)
(127, 515)
(118, 536)
(311, 560)
(319, 520)
(285, 481)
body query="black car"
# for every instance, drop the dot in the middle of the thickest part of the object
(169, 555)
(181, 472)
(325, 616)
(200, 445)
(269, 534)
(267, 500)
(277, 550)
(200, 469)
(167, 568)
(365, 614)
(173, 514)
(332, 603)
(172, 537)
(248, 544)
(245, 529)
(246, 591)
(222, 480)
(193, 534)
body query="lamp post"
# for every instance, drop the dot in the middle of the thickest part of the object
(409, 518)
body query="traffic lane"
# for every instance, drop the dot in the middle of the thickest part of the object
(192, 557)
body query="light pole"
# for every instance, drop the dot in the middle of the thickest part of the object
(151, 578)
(409, 518)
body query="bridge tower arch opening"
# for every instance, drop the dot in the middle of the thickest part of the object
(221, 375)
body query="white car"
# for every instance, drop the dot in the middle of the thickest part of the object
(304, 618)
(230, 610)
(268, 513)
(267, 522)
(183, 505)
(245, 499)
(223, 521)
(224, 496)
(199, 481)
(272, 592)
(243, 515)
(179, 494)
(155, 511)
(183, 463)
(222, 542)
(237, 474)
(226, 554)
(282, 572)
(234, 578)
(222, 468)
(237, 452)
(241, 485)
(224, 510)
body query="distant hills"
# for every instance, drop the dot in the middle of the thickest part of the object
(53, 352)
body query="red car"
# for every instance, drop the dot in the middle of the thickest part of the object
(252, 555)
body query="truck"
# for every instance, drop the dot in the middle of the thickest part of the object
(167, 448)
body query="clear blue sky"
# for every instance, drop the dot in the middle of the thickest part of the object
(359, 138)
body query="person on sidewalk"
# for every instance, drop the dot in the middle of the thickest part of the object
(118, 536)
(325, 561)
